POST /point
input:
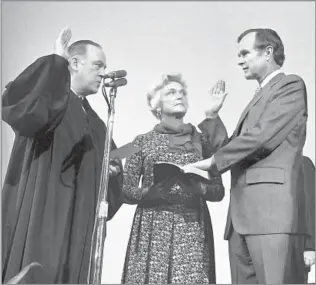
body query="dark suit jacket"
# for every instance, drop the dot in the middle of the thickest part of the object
(264, 155)
(306, 182)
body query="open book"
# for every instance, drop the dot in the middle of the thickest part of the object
(163, 170)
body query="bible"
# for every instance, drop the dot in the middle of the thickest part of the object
(165, 170)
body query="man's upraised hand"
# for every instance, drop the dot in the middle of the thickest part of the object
(62, 42)
(216, 99)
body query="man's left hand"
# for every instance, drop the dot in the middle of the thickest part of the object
(309, 258)
(114, 167)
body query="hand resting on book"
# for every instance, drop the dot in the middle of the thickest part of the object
(163, 170)
(193, 185)
(157, 190)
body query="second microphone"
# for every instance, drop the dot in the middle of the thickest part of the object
(115, 74)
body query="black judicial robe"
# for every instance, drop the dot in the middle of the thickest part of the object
(50, 190)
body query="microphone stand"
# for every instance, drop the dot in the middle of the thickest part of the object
(99, 228)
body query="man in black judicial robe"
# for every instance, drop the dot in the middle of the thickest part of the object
(51, 187)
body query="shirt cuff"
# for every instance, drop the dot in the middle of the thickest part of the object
(211, 115)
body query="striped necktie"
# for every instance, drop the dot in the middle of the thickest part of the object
(257, 91)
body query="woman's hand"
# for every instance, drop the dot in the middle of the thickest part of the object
(192, 185)
(157, 191)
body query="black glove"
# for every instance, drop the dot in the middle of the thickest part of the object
(191, 185)
(157, 191)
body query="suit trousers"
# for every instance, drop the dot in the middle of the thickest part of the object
(266, 259)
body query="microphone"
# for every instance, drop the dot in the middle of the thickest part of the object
(115, 74)
(116, 83)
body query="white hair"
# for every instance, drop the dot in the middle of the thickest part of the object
(154, 96)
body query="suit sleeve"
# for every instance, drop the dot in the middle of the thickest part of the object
(38, 97)
(215, 131)
(214, 135)
(309, 189)
(287, 107)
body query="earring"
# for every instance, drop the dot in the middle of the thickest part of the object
(158, 112)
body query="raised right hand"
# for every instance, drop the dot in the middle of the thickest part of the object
(216, 100)
(62, 42)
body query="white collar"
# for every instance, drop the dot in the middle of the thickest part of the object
(269, 77)
(79, 96)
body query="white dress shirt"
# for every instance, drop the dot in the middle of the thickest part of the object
(269, 77)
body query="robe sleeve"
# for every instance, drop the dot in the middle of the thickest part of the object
(115, 198)
(37, 99)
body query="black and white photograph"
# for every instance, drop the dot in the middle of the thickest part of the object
(158, 142)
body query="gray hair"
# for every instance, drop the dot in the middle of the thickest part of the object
(153, 97)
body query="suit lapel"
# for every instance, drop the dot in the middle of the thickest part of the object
(246, 110)
(255, 99)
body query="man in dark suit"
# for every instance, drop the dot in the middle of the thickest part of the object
(307, 183)
(264, 156)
